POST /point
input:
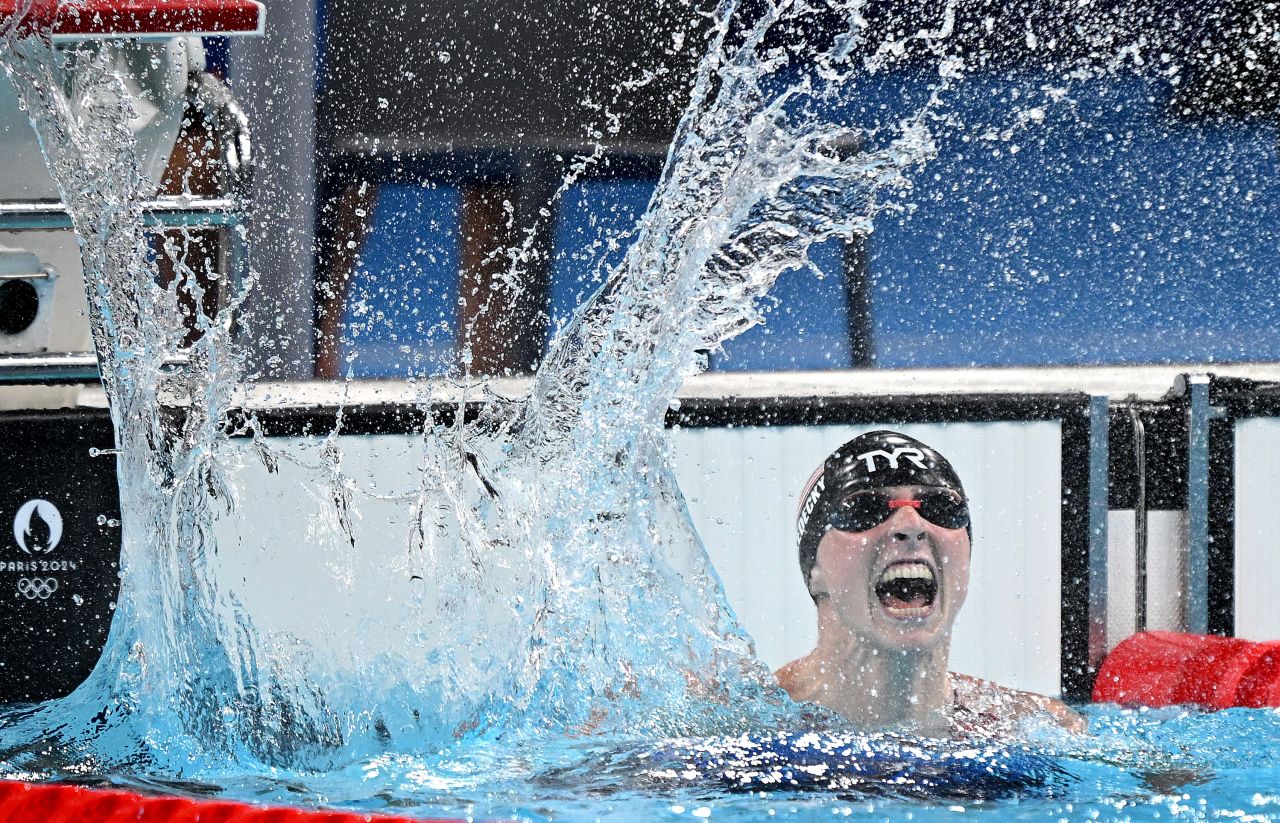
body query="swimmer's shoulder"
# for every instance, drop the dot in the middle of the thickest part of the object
(981, 700)
(799, 679)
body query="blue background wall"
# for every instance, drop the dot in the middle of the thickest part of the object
(1090, 228)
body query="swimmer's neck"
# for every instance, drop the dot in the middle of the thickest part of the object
(878, 687)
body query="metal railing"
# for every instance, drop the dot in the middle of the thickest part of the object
(169, 212)
(224, 213)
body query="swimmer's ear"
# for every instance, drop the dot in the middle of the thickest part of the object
(817, 584)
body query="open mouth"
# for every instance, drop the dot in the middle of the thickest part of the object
(908, 588)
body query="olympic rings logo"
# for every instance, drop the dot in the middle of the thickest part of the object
(34, 588)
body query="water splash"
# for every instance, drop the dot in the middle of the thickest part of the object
(551, 527)
(170, 661)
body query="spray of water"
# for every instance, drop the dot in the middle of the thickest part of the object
(551, 527)
(559, 586)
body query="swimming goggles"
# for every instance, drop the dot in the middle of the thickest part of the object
(866, 510)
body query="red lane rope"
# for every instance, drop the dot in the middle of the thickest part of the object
(50, 803)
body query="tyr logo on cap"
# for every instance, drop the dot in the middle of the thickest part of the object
(909, 452)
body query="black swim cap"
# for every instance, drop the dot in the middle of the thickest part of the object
(874, 460)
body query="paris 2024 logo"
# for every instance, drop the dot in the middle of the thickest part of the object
(37, 529)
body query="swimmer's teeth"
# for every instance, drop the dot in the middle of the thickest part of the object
(900, 571)
(888, 589)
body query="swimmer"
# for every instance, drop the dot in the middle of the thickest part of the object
(885, 543)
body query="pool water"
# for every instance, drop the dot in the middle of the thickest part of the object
(1134, 765)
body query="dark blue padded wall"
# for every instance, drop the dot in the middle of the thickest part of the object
(1110, 232)
(806, 317)
(592, 216)
(1084, 225)
(400, 316)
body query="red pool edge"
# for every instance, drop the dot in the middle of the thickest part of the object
(50, 803)
(140, 18)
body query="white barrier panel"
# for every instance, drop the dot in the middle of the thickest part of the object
(1257, 566)
(1166, 572)
(742, 485)
(283, 553)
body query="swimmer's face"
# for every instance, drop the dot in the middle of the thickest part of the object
(900, 584)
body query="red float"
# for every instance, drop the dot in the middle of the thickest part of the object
(48, 803)
(1169, 669)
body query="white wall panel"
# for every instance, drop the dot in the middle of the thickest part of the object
(742, 486)
(1166, 572)
(1257, 529)
(284, 555)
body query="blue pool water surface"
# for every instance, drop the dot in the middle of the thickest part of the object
(1135, 765)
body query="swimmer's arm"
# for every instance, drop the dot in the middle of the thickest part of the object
(1065, 716)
